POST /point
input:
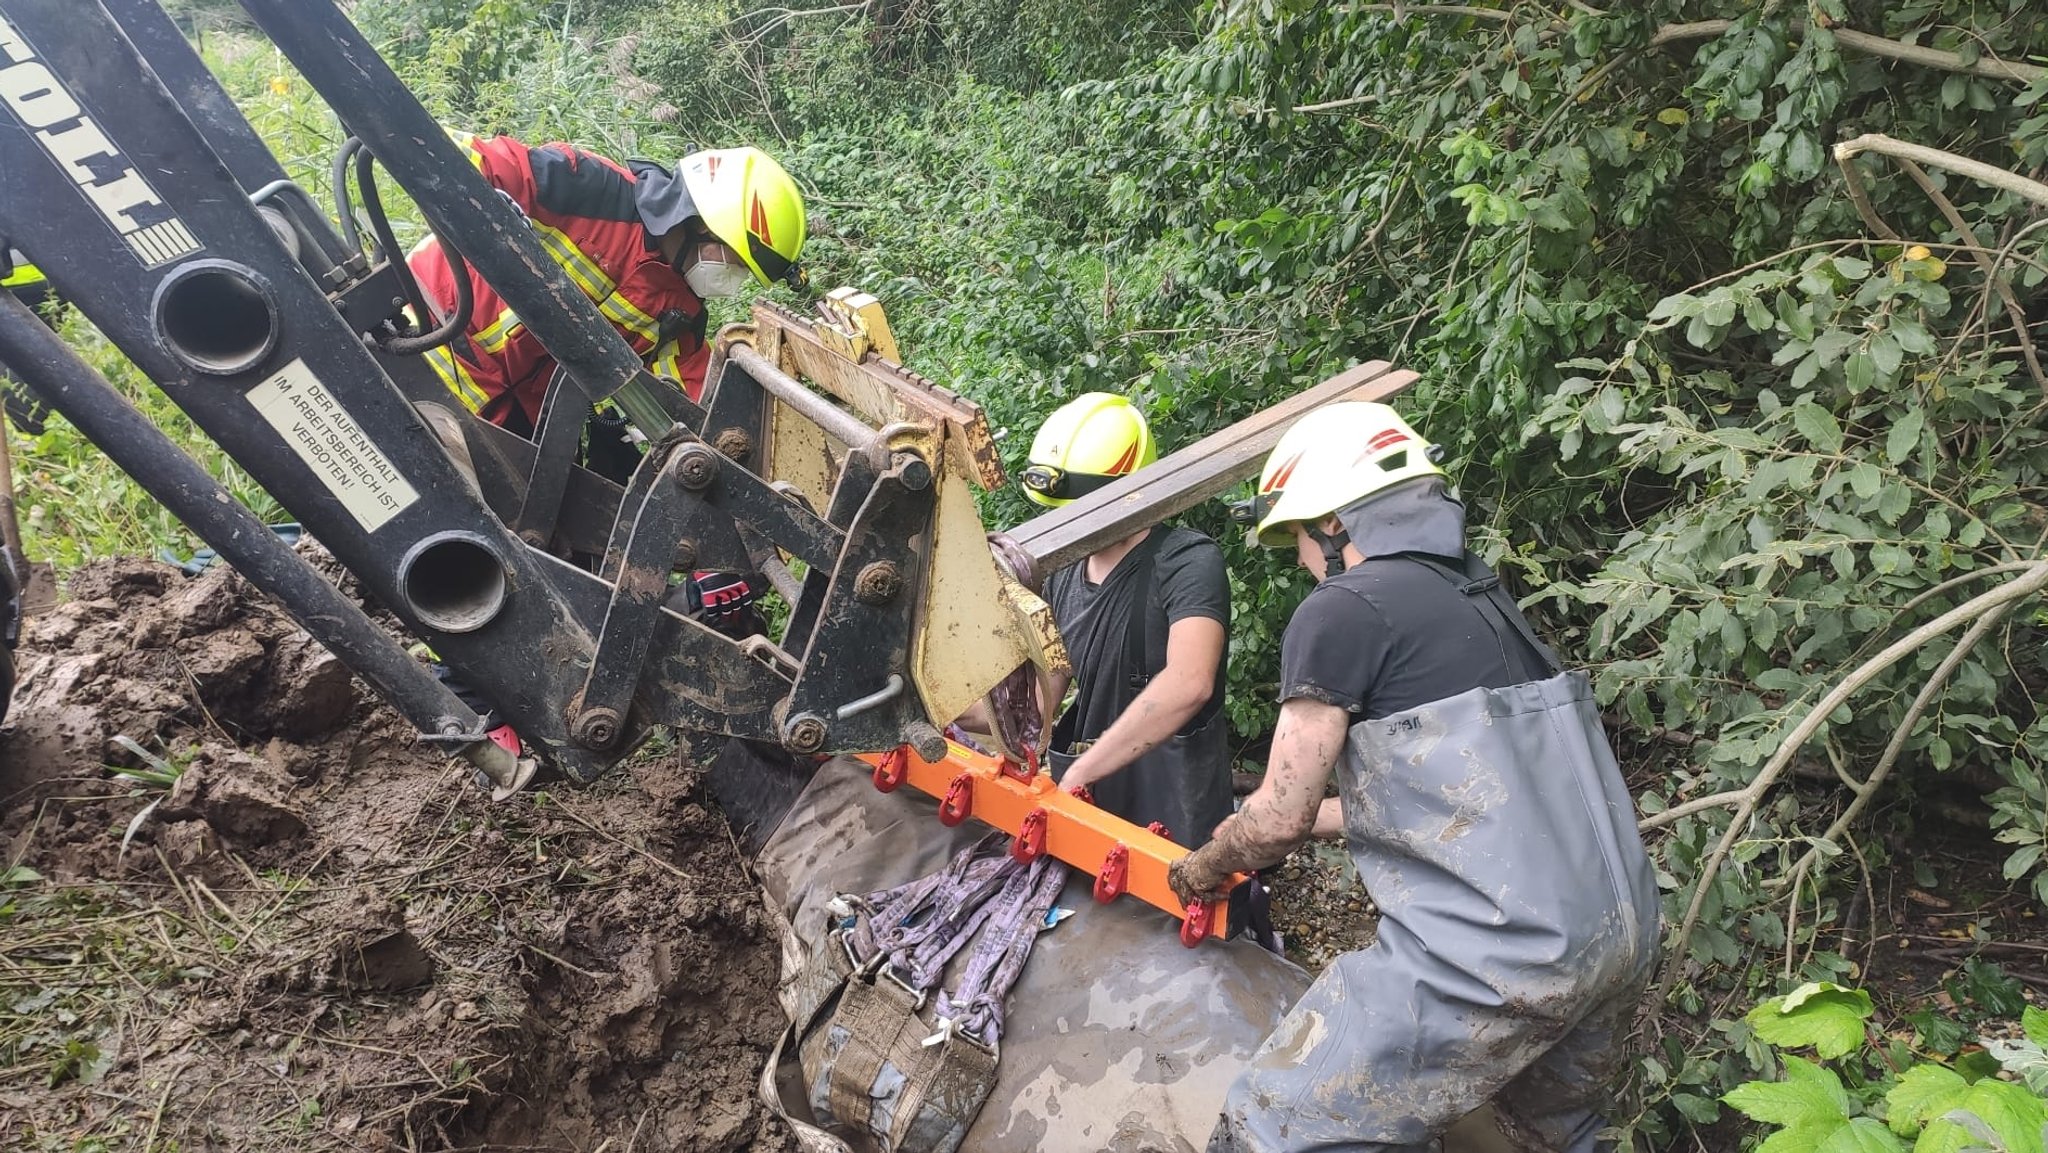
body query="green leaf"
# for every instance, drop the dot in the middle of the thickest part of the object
(1701, 333)
(1863, 1135)
(1821, 1014)
(1793, 1102)
(2022, 1059)
(1860, 371)
(1885, 353)
(1925, 1091)
(1865, 480)
(1802, 1138)
(2011, 1113)
(1818, 426)
(2034, 1023)
(1806, 994)
(1675, 308)
(2018, 865)
(1903, 441)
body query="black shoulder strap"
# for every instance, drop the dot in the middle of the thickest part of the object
(1138, 641)
(1530, 659)
(1138, 637)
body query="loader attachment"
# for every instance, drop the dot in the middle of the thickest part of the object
(296, 344)
(553, 592)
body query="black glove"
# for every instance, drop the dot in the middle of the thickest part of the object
(724, 601)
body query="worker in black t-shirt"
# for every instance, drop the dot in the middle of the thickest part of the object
(1480, 802)
(1145, 622)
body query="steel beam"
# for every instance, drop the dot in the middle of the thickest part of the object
(1204, 469)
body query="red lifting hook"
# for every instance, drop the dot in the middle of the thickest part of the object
(1158, 829)
(893, 769)
(1016, 772)
(1109, 883)
(1030, 842)
(959, 801)
(1194, 928)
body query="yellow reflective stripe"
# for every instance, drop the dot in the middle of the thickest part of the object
(631, 317)
(581, 269)
(668, 362)
(23, 276)
(457, 378)
(467, 142)
(493, 339)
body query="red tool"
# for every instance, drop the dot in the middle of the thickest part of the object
(958, 803)
(1194, 928)
(1024, 772)
(1123, 857)
(1030, 842)
(1158, 829)
(1115, 872)
(892, 769)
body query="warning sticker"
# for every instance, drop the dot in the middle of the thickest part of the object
(332, 444)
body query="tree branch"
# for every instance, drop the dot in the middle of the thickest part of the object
(1904, 732)
(1985, 264)
(2031, 582)
(1499, 15)
(1990, 67)
(1977, 170)
(1852, 178)
(1697, 805)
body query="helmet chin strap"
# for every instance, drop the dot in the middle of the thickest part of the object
(1333, 549)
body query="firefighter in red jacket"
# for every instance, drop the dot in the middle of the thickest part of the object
(646, 243)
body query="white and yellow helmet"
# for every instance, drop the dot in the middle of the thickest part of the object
(1086, 443)
(751, 205)
(1333, 458)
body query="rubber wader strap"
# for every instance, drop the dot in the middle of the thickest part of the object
(1531, 659)
(817, 985)
(886, 1079)
(782, 1067)
(873, 1014)
(1138, 639)
(824, 974)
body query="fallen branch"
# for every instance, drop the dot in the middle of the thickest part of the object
(1852, 179)
(1902, 734)
(1501, 15)
(1977, 170)
(1746, 799)
(1990, 67)
(1985, 264)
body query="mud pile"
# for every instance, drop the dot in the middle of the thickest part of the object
(312, 933)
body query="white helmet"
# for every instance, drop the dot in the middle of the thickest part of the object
(1333, 458)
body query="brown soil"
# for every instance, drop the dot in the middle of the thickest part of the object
(322, 936)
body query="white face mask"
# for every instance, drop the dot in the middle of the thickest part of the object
(709, 278)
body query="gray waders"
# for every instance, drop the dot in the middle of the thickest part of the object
(1117, 1037)
(1519, 925)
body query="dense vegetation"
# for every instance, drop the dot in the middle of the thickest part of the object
(1753, 418)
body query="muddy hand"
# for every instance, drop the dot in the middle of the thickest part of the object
(1192, 878)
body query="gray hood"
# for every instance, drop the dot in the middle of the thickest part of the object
(659, 194)
(1417, 516)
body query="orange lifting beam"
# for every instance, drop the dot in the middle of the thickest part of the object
(1023, 802)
